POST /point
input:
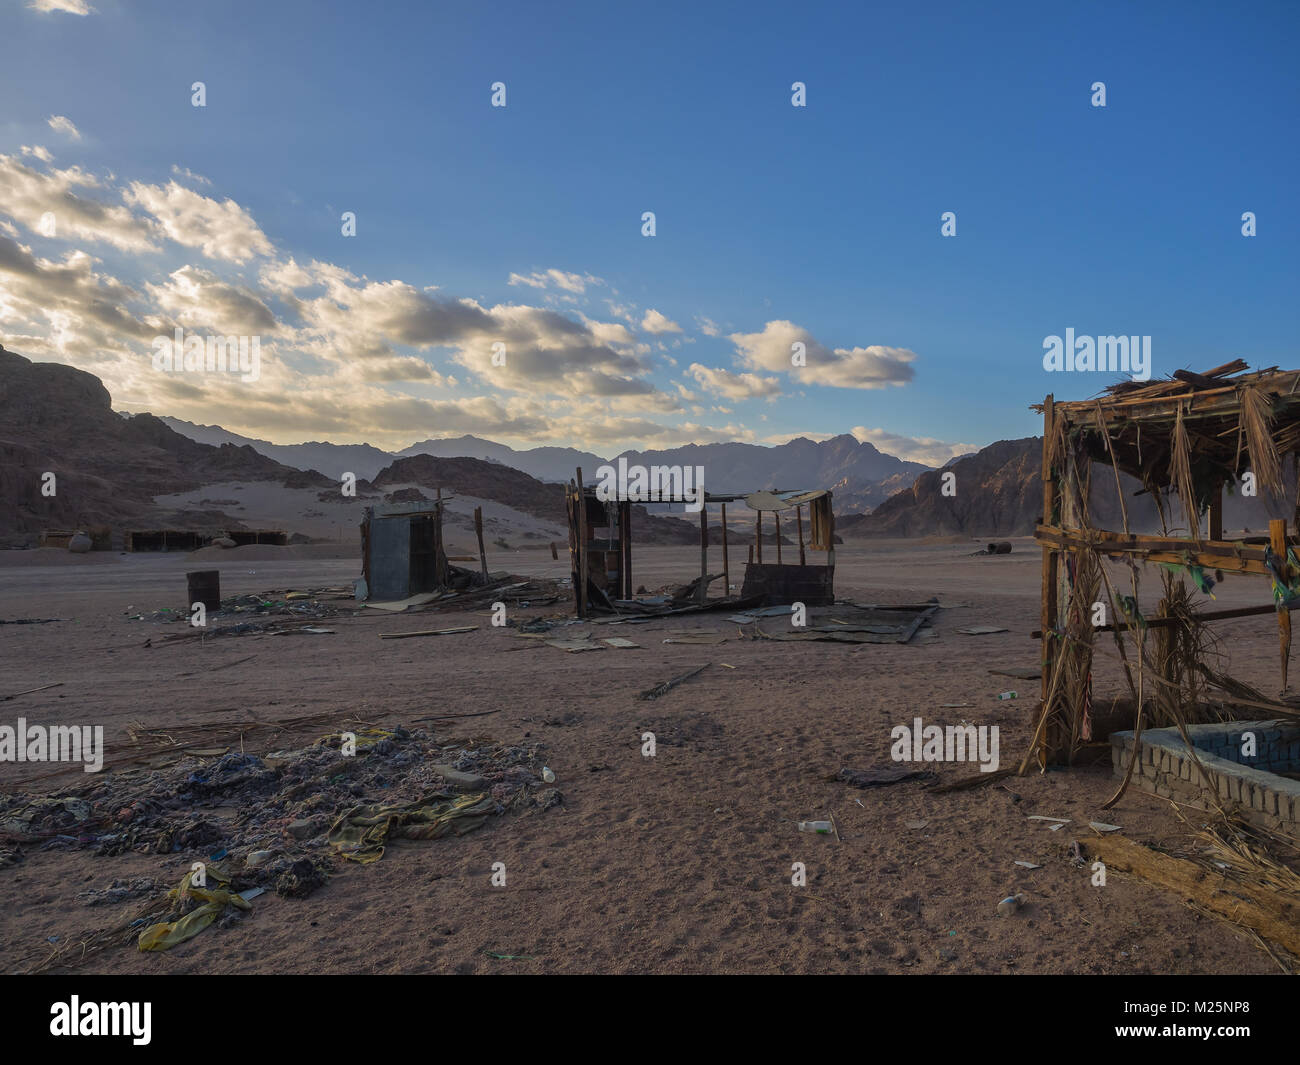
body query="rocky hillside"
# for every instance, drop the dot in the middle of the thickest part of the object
(108, 467)
(999, 492)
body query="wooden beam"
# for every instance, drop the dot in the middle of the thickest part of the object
(798, 516)
(478, 531)
(1206, 616)
(776, 521)
(758, 535)
(703, 592)
(625, 545)
(726, 571)
(582, 548)
(1277, 536)
(1048, 613)
(1250, 905)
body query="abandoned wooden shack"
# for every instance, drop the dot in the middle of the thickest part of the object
(600, 550)
(402, 551)
(1186, 440)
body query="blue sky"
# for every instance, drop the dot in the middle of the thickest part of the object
(819, 223)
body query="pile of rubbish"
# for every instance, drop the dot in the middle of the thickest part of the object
(314, 603)
(283, 822)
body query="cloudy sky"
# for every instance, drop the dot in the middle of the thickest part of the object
(126, 211)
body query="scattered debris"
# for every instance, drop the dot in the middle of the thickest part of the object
(1101, 826)
(917, 825)
(982, 630)
(669, 685)
(1020, 673)
(697, 638)
(1028, 865)
(428, 632)
(1011, 904)
(870, 778)
(618, 641)
(29, 691)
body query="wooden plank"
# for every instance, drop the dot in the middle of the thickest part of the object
(1271, 915)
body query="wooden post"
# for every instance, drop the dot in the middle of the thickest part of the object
(758, 535)
(1277, 540)
(703, 592)
(1216, 513)
(1050, 562)
(625, 544)
(726, 570)
(798, 516)
(478, 531)
(555, 553)
(751, 555)
(582, 548)
(776, 521)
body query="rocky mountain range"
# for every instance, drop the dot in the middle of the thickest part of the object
(861, 475)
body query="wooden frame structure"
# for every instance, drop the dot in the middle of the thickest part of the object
(1193, 436)
(602, 564)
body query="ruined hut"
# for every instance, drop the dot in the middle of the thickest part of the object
(1186, 441)
(401, 549)
(600, 549)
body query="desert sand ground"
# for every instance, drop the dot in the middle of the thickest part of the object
(680, 863)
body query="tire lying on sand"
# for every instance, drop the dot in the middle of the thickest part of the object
(79, 544)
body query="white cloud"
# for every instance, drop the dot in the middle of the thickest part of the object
(222, 230)
(656, 323)
(707, 326)
(63, 124)
(41, 153)
(923, 449)
(186, 172)
(869, 367)
(28, 195)
(70, 7)
(734, 385)
(575, 283)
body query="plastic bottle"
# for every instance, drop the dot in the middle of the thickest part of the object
(1007, 695)
(548, 775)
(824, 828)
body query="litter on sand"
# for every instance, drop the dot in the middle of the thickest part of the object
(982, 630)
(1040, 817)
(587, 644)
(398, 605)
(618, 641)
(1101, 826)
(669, 685)
(427, 632)
(917, 824)
(361, 833)
(697, 638)
(1028, 865)
(870, 778)
(1020, 673)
